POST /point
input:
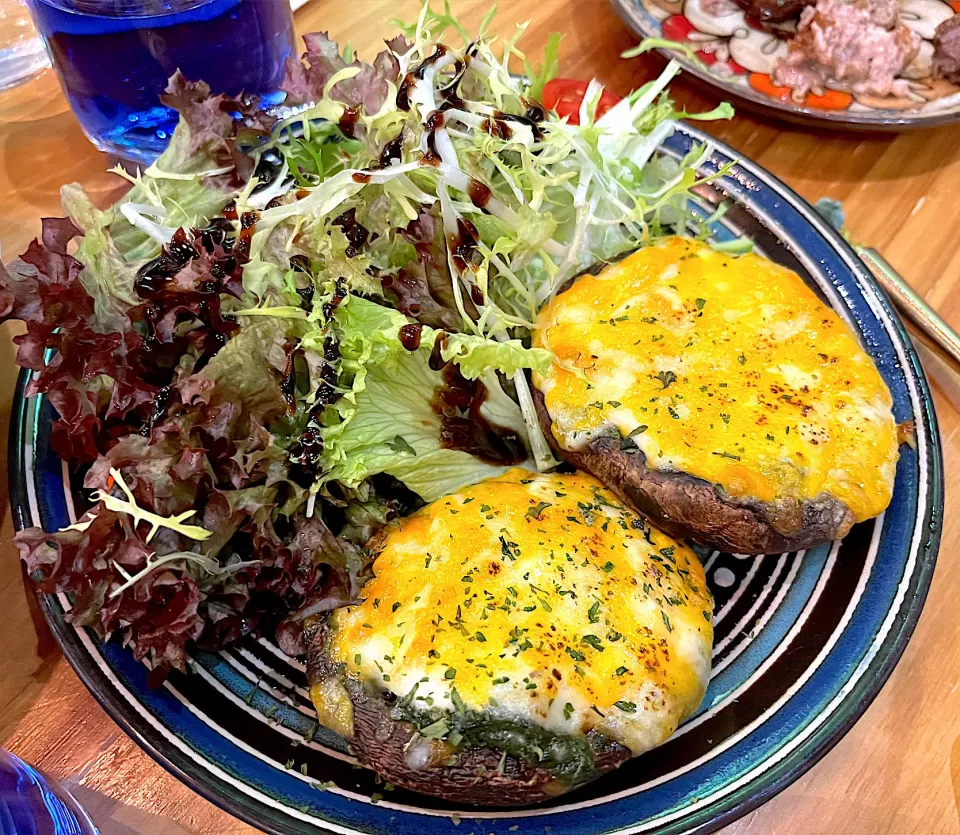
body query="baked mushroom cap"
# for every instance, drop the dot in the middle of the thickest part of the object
(720, 397)
(518, 638)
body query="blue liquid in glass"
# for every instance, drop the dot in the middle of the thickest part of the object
(29, 805)
(114, 58)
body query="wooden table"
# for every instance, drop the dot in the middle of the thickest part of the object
(897, 771)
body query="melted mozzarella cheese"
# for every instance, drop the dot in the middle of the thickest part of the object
(539, 598)
(741, 376)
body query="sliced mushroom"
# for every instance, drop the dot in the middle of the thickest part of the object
(723, 19)
(918, 94)
(946, 104)
(931, 89)
(757, 51)
(887, 102)
(924, 16)
(922, 64)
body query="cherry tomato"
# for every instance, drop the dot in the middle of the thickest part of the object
(676, 28)
(564, 95)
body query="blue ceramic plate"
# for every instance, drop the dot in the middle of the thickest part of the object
(804, 641)
(738, 56)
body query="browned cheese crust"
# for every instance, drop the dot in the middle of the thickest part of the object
(685, 506)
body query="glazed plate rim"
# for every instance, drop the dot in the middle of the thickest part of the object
(247, 804)
(882, 120)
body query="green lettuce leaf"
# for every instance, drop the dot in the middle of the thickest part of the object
(499, 408)
(547, 71)
(188, 197)
(386, 423)
(369, 331)
(249, 367)
(393, 428)
(476, 354)
(107, 276)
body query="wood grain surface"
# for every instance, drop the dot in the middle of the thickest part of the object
(897, 771)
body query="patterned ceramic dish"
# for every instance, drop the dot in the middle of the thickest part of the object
(737, 56)
(804, 641)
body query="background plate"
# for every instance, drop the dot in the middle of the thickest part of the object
(669, 19)
(804, 641)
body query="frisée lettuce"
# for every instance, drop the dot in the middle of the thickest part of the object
(523, 201)
(301, 323)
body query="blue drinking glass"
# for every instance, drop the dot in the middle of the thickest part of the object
(32, 805)
(114, 57)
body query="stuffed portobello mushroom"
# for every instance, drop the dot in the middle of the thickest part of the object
(718, 396)
(518, 638)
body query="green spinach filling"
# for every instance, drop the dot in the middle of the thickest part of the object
(568, 758)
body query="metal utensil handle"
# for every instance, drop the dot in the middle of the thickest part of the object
(911, 304)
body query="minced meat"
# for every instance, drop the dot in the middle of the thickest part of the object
(860, 44)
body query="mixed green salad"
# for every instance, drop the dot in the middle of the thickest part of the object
(297, 325)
